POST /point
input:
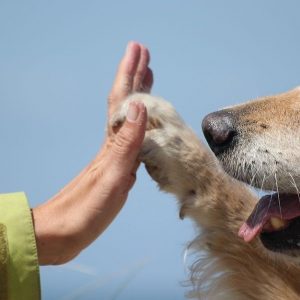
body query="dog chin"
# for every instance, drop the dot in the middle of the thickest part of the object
(275, 219)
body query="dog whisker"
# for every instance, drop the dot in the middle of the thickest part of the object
(276, 182)
(295, 185)
(219, 204)
(256, 210)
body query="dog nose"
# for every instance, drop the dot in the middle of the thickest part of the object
(219, 131)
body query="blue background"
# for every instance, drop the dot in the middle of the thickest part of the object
(57, 63)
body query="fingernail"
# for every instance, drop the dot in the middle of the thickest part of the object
(133, 112)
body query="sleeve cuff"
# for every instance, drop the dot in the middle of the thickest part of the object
(19, 269)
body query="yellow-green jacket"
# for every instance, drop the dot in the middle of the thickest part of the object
(19, 269)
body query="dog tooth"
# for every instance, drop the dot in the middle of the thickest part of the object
(277, 223)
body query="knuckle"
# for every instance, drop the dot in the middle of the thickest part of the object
(139, 74)
(124, 141)
(138, 80)
(111, 99)
(127, 84)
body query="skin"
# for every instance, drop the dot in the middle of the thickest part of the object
(82, 210)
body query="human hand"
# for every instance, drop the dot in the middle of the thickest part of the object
(78, 214)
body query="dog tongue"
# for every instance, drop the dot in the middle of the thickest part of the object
(284, 207)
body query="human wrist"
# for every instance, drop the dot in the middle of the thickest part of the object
(55, 241)
(70, 221)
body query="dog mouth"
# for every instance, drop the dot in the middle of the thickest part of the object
(276, 220)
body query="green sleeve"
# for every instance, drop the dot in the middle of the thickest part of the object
(19, 269)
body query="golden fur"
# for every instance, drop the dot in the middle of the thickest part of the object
(268, 143)
(227, 267)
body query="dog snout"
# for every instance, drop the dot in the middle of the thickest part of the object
(219, 131)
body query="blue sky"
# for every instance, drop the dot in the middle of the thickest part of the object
(57, 63)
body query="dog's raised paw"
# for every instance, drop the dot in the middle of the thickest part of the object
(159, 112)
(172, 153)
(162, 134)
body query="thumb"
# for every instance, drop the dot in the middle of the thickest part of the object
(129, 139)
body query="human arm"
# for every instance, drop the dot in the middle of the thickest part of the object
(80, 212)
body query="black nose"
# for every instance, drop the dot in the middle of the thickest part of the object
(218, 129)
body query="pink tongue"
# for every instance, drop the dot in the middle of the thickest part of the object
(286, 207)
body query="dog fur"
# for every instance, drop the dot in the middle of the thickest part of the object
(267, 151)
(226, 267)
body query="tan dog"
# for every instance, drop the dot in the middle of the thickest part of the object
(246, 139)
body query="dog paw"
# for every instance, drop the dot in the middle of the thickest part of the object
(162, 141)
(173, 155)
(160, 112)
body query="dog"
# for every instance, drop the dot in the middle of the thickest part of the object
(248, 248)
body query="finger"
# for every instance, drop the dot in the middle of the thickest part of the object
(141, 69)
(123, 84)
(128, 141)
(148, 81)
